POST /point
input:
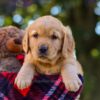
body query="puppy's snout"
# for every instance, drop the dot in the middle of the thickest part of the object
(43, 50)
(18, 41)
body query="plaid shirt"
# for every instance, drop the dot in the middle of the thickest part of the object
(44, 87)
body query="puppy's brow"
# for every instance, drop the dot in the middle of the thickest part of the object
(56, 33)
(32, 32)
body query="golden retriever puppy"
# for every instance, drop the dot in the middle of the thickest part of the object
(49, 48)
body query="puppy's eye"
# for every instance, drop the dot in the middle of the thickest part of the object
(35, 35)
(54, 37)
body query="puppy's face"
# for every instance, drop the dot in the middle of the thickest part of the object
(14, 42)
(10, 39)
(45, 43)
(45, 39)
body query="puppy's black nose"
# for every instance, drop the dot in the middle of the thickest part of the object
(43, 50)
(17, 41)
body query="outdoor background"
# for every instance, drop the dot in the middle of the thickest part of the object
(83, 16)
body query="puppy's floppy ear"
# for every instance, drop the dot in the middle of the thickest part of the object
(68, 42)
(25, 42)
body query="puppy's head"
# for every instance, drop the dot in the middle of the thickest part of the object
(47, 39)
(10, 39)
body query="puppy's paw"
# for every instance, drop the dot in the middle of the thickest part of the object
(24, 77)
(23, 81)
(72, 82)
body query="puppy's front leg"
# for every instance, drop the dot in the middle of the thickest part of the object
(25, 75)
(69, 73)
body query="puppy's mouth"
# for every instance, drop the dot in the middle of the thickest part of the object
(43, 57)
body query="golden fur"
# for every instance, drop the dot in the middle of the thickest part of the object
(50, 32)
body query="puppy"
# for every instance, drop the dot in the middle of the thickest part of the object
(49, 48)
(10, 46)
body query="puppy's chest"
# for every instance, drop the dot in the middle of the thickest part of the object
(48, 70)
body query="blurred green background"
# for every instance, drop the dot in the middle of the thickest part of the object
(83, 16)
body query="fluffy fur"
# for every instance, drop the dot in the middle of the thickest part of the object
(49, 32)
(10, 46)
